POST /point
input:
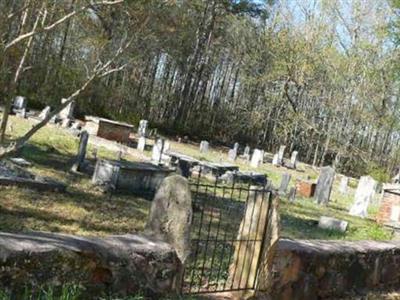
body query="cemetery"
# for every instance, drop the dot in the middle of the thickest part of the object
(199, 150)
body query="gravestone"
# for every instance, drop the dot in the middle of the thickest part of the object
(204, 145)
(281, 154)
(257, 158)
(142, 131)
(293, 159)
(232, 154)
(236, 147)
(141, 144)
(80, 158)
(45, 113)
(167, 146)
(292, 194)
(324, 185)
(275, 160)
(284, 183)
(68, 111)
(158, 149)
(332, 224)
(19, 103)
(365, 192)
(171, 215)
(344, 182)
(21, 113)
(246, 152)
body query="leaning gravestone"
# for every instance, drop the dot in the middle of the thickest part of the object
(281, 154)
(365, 192)
(141, 144)
(204, 145)
(293, 159)
(45, 113)
(324, 185)
(143, 128)
(171, 215)
(284, 183)
(257, 158)
(344, 182)
(80, 158)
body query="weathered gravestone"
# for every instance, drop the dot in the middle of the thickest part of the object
(281, 154)
(80, 158)
(232, 154)
(332, 224)
(246, 153)
(292, 194)
(275, 160)
(142, 131)
(293, 159)
(19, 103)
(141, 144)
(365, 192)
(204, 145)
(344, 182)
(68, 111)
(45, 113)
(171, 215)
(284, 183)
(324, 185)
(158, 150)
(257, 158)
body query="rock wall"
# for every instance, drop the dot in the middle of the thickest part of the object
(332, 269)
(121, 265)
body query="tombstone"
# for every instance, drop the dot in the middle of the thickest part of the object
(167, 146)
(21, 113)
(292, 194)
(246, 152)
(257, 158)
(68, 111)
(141, 144)
(45, 113)
(293, 159)
(142, 130)
(80, 158)
(365, 192)
(324, 185)
(171, 213)
(275, 160)
(281, 153)
(284, 183)
(19, 103)
(232, 154)
(332, 224)
(344, 182)
(204, 145)
(236, 147)
(158, 149)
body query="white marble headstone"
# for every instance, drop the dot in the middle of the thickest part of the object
(365, 192)
(141, 144)
(257, 158)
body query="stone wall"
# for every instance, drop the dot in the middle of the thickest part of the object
(121, 265)
(332, 269)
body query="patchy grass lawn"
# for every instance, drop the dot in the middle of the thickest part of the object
(86, 211)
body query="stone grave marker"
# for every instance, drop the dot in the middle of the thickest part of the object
(281, 153)
(236, 147)
(171, 215)
(257, 158)
(141, 144)
(284, 183)
(80, 158)
(68, 111)
(158, 149)
(324, 185)
(142, 130)
(365, 192)
(275, 160)
(293, 159)
(332, 224)
(344, 182)
(45, 113)
(246, 152)
(204, 146)
(19, 103)
(232, 154)
(292, 194)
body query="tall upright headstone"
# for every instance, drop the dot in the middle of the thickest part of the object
(281, 154)
(275, 159)
(204, 146)
(232, 154)
(246, 153)
(293, 159)
(236, 147)
(19, 103)
(141, 143)
(142, 131)
(257, 158)
(284, 183)
(158, 149)
(80, 158)
(68, 111)
(324, 185)
(365, 192)
(344, 182)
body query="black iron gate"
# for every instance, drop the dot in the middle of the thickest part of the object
(227, 235)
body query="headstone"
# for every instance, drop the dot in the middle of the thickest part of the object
(80, 158)
(19, 102)
(158, 149)
(292, 194)
(293, 159)
(21, 113)
(68, 111)
(167, 146)
(232, 154)
(344, 182)
(45, 113)
(284, 183)
(365, 192)
(236, 147)
(204, 145)
(324, 185)
(142, 131)
(257, 158)
(171, 215)
(246, 152)
(141, 144)
(332, 224)
(275, 160)
(281, 154)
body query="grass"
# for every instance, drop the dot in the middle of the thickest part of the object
(84, 210)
